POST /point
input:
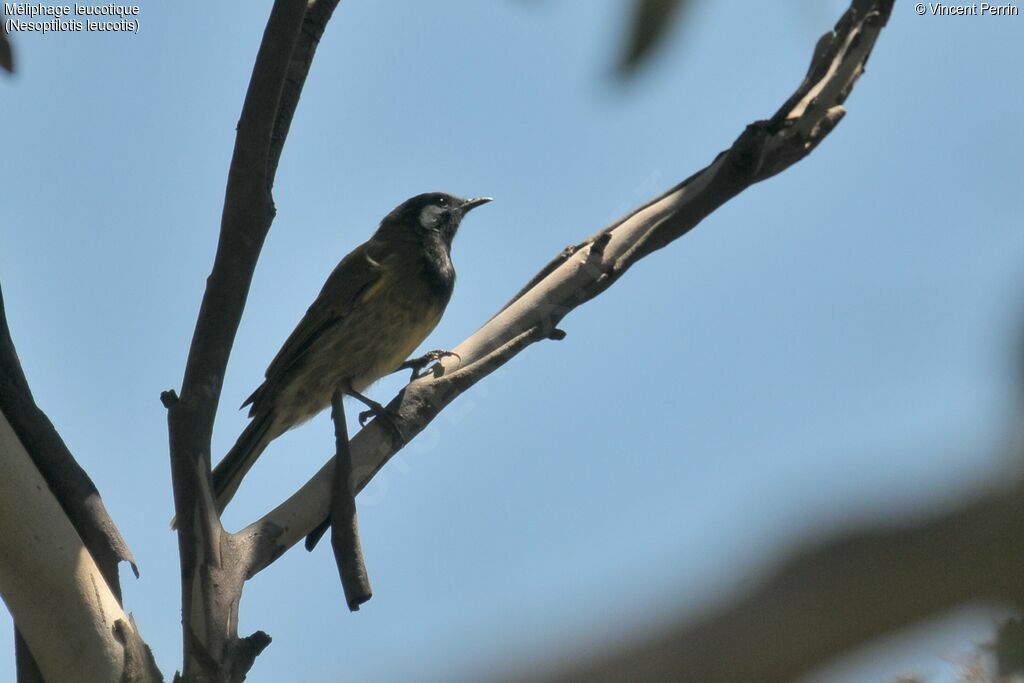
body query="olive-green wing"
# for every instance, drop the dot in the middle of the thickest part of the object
(343, 290)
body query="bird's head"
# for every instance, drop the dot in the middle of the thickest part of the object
(433, 215)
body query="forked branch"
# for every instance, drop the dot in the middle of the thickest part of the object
(210, 557)
(213, 562)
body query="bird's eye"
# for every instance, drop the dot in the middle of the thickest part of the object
(442, 202)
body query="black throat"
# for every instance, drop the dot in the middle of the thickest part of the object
(437, 265)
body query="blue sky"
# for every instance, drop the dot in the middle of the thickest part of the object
(832, 348)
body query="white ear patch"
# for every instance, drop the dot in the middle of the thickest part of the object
(430, 216)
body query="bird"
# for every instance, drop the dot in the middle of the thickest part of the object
(376, 308)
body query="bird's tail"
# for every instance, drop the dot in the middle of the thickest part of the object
(229, 472)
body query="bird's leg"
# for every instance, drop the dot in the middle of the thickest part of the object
(417, 364)
(378, 411)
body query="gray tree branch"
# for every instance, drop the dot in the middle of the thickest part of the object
(584, 270)
(74, 491)
(61, 603)
(580, 273)
(212, 561)
(348, 549)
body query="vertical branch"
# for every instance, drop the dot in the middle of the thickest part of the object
(215, 564)
(318, 13)
(348, 550)
(211, 567)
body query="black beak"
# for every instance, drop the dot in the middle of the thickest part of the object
(471, 204)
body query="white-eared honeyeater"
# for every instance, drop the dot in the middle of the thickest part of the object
(378, 305)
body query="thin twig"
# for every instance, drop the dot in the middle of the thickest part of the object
(348, 549)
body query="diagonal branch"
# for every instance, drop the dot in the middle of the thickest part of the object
(74, 491)
(583, 271)
(71, 485)
(835, 596)
(63, 607)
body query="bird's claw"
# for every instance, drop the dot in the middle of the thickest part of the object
(386, 417)
(418, 364)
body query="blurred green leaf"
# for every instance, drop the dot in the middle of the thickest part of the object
(651, 22)
(1009, 649)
